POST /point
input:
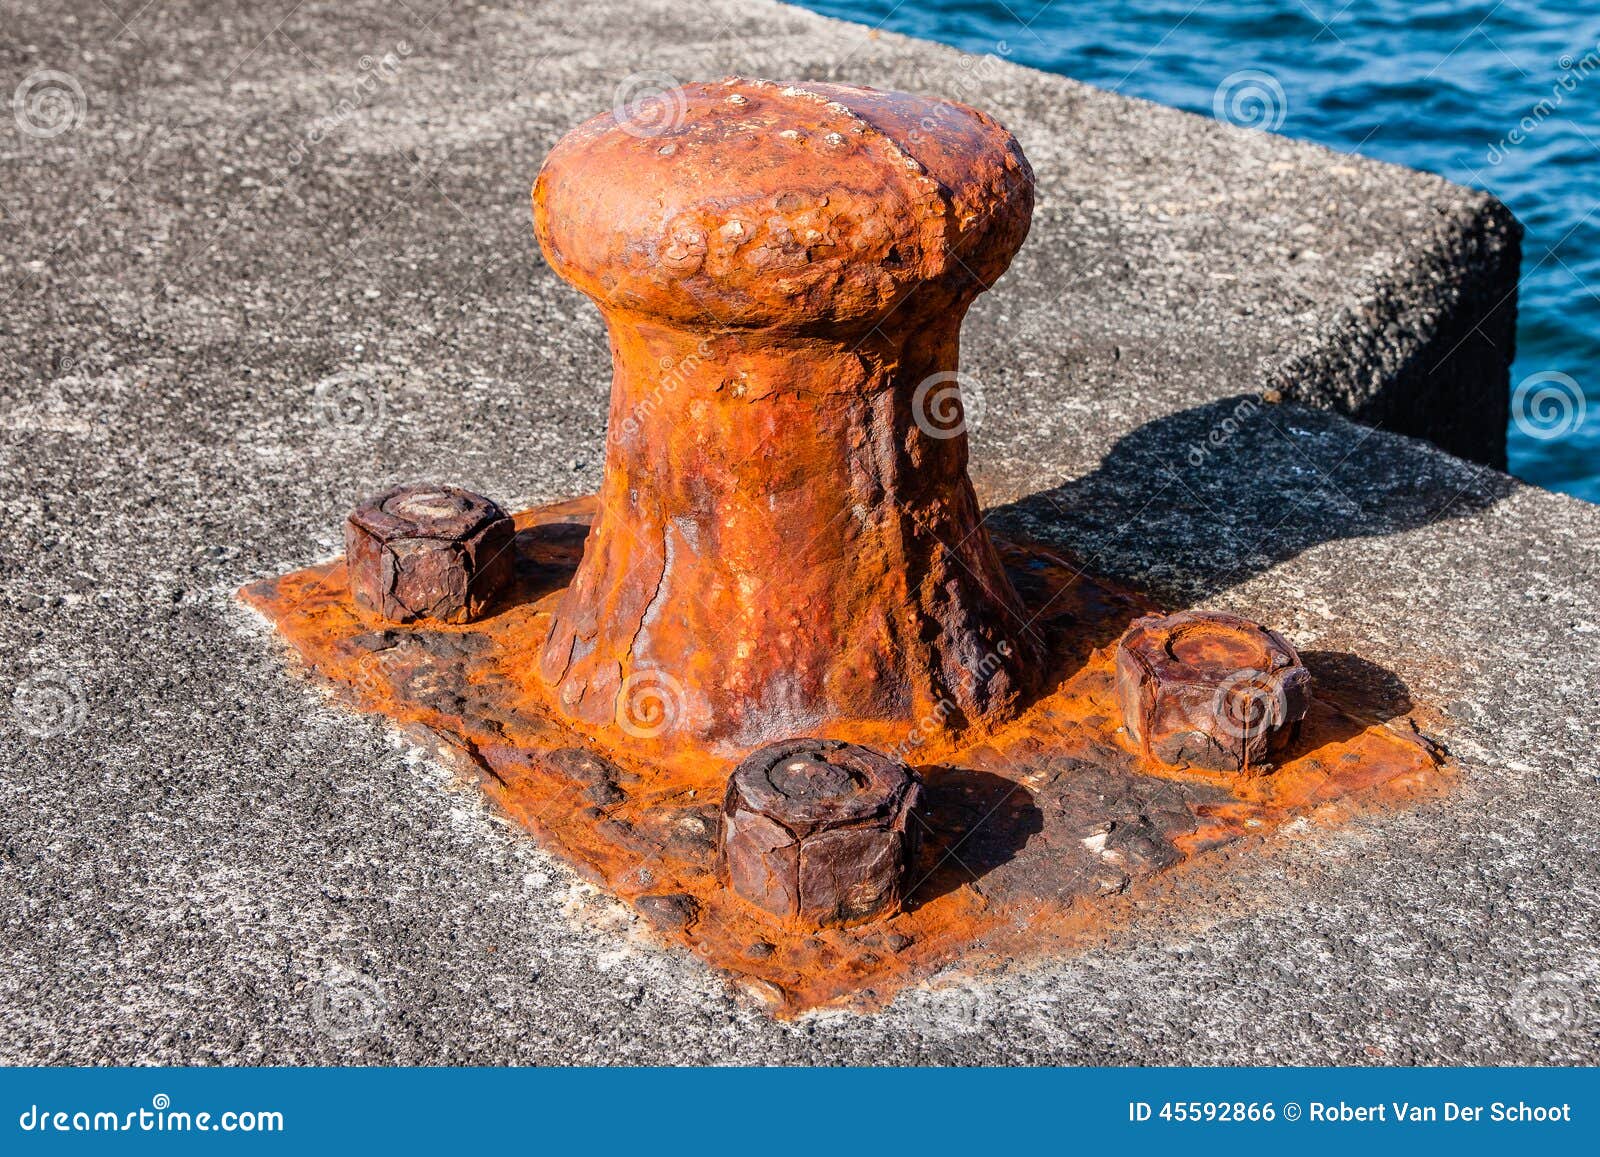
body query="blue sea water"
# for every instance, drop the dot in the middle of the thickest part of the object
(1504, 96)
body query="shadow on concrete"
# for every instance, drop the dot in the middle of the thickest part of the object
(972, 822)
(1195, 503)
(1361, 693)
(547, 557)
(1372, 693)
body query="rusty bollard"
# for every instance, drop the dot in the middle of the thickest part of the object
(1210, 690)
(787, 536)
(437, 553)
(820, 832)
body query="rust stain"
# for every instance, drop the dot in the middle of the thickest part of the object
(1039, 835)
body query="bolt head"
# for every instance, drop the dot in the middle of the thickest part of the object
(819, 832)
(428, 552)
(1210, 690)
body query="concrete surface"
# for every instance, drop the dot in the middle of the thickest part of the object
(219, 332)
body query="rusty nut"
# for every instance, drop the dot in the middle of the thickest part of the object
(1210, 690)
(436, 553)
(819, 832)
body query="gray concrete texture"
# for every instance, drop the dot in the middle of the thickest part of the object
(242, 289)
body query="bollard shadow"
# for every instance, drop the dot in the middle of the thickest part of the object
(1367, 691)
(547, 557)
(1352, 694)
(1195, 503)
(970, 823)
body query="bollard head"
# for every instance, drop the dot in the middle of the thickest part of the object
(1210, 690)
(820, 831)
(427, 552)
(749, 203)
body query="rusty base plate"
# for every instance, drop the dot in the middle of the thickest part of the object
(1044, 835)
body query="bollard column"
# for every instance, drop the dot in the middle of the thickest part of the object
(787, 539)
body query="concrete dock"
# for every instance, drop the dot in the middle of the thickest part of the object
(280, 257)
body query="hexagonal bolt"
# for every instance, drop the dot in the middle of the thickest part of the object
(819, 832)
(1210, 690)
(436, 553)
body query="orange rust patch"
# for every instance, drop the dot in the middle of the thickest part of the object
(1035, 834)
